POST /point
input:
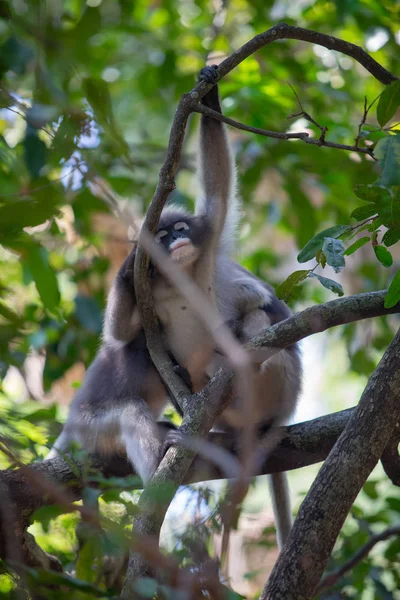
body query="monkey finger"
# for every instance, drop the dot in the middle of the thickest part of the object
(209, 74)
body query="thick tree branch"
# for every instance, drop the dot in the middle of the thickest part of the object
(321, 516)
(321, 317)
(300, 445)
(391, 459)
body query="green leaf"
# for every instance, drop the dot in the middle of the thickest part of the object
(356, 245)
(45, 577)
(388, 103)
(392, 236)
(364, 212)
(395, 211)
(369, 488)
(371, 193)
(383, 255)
(316, 243)
(37, 261)
(284, 289)
(42, 414)
(35, 152)
(387, 151)
(88, 313)
(304, 211)
(393, 503)
(89, 562)
(98, 96)
(329, 284)
(393, 294)
(71, 128)
(334, 250)
(28, 212)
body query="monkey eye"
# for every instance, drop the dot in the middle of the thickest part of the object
(159, 235)
(180, 226)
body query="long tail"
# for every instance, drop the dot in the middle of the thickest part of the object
(279, 490)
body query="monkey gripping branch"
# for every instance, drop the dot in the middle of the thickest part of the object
(199, 416)
(201, 410)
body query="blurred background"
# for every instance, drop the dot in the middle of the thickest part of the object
(88, 91)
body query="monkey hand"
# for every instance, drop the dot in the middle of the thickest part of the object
(251, 294)
(209, 74)
(173, 438)
(211, 99)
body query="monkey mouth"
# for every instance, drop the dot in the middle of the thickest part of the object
(180, 244)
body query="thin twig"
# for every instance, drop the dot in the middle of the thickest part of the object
(323, 129)
(332, 578)
(209, 112)
(302, 135)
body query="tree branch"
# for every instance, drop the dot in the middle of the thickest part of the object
(284, 31)
(177, 460)
(332, 578)
(322, 514)
(300, 445)
(303, 136)
(322, 317)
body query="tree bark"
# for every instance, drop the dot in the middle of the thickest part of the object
(303, 559)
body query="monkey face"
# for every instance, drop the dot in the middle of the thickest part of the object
(177, 241)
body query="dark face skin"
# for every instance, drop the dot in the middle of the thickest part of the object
(182, 237)
(169, 235)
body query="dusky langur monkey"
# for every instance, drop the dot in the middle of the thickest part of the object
(122, 395)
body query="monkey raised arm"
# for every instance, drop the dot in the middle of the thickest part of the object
(122, 320)
(217, 171)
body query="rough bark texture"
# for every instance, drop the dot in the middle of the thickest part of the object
(369, 429)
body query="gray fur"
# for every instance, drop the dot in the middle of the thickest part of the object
(122, 395)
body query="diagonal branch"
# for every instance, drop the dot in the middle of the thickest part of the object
(332, 578)
(321, 516)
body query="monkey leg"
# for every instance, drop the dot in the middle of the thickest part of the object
(141, 437)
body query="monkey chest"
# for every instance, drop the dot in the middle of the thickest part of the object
(185, 335)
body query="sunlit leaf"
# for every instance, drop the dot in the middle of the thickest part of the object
(90, 560)
(41, 576)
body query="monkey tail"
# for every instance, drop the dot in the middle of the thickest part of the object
(279, 489)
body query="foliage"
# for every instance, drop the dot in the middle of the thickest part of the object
(87, 94)
(378, 575)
